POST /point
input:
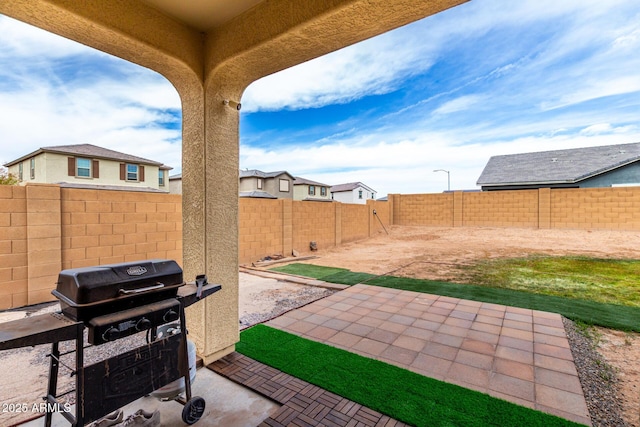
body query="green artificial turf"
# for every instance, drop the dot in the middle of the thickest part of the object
(396, 392)
(612, 316)
(611, 281)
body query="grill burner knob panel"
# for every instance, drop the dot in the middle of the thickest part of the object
(111, 334)
(143, 324)
(123, 323)
(170, 316)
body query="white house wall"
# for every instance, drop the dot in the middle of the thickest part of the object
(352, 196)
(344, 197)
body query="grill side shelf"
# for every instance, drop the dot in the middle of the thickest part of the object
(43, 329)
(187, 294)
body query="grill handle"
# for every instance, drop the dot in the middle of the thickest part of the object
(201, 280)
(137, 291)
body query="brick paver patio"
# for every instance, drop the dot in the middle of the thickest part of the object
(303, 404)
(516, 354)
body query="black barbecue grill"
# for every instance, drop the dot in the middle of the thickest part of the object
(112, 302)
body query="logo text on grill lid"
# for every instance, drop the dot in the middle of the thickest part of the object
(136, 271)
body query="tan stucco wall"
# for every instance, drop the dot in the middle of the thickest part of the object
(272, 186)
(175, 186)
(40, 170)
(250, 184)
(207, 68)
(301, 192)
(15, 170)
(52, 168)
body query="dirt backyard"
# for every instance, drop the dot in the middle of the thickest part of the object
(438, 253)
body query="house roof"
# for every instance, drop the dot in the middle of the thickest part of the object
(257, 193)
(174, 177)
(89, 150)
(350, 187)
(558, 166)
(302, 181)
(248, 173)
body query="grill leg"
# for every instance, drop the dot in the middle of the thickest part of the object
(185, 352)
(53, 381)
(79, 378)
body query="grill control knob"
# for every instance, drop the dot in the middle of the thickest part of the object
(111, 334)
(143, 324)
(170, 316)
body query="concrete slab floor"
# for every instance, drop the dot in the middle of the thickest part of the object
(227, 405)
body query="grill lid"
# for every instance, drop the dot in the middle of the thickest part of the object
(105, 283)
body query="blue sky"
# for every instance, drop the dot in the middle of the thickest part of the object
(489, 77)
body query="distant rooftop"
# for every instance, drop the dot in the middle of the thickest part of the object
(90, 150)
(247, 173)
(257, 194)
(557, 166)
(300, 181)
(349, 187)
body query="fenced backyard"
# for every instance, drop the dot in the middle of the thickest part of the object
(46, 228)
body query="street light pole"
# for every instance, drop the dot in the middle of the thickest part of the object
(448, 178)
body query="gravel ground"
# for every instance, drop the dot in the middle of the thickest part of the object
(598, 379)
(287, 302)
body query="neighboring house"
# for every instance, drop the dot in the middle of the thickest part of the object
(305, 189)
(353, 192)
(175, 184)
(272, 185)
(86, 165)
(606, 166)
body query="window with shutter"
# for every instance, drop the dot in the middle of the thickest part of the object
(132, 172)
(95, 168)
(83, 168)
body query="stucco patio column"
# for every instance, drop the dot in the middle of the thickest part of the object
(210, 209)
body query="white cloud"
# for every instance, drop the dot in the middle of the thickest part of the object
(375, 66)
(379, 65)
(20, 40)
(597, 129)
(606, 128)
(458, 104)
(52, 101)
